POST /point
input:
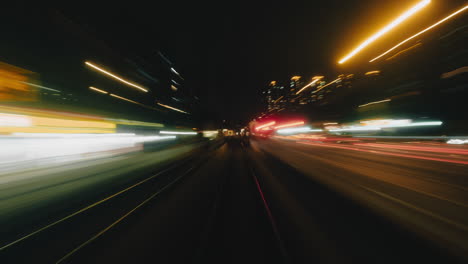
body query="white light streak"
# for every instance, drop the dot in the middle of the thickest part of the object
(177, 133)
(40, 86)
(297, 130)
(355, 129)
(457, 141)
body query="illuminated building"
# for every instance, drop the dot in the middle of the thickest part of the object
(273, 96)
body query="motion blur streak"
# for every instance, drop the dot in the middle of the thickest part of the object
(297, 130)
(115, 76)
(13, 123)
(131, 101)
(457, 141)
(308, 85)
(372, 72)
(40, 86)
(172, 108)
(421, 32)
(355, 129)
(332, 82)
(265, 125)
(404, 51)
(19, 149)
(454, 72)
(98, 90)
(387, 28)
(328, 145)
(417, 148)
(298, 123)
(177, 133)
(377, 102)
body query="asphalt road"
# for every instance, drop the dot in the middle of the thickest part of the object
(271, 202)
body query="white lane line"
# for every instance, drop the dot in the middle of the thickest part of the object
(423, 211)
(83, 209)
(121, 218)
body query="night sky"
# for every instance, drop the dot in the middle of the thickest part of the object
(228, 51)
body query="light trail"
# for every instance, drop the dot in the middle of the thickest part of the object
(386, 29)
(98, 90)
(376, 102)
(290, 124)
(177, 133)
(173, 108)
(327, 145)
(115, 76)
(332, 82)
(421, 32)
(297, 130)
(308, 85)
(265, 125)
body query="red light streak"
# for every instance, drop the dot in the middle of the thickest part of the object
(298, 123)
(387, 153)
(265, 125)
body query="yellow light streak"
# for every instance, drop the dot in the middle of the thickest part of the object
(115, 76)
(421, 32)
(125, 99)
(315, 79)
(98, 90)
(372, 72)
(377, 102)
(172, 108)
(403, 51)
(326, 85)
(386, 29)
(278, 99)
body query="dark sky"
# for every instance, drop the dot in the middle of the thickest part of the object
(227, 51)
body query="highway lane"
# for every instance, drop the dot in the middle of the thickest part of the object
(270, 202)
(213, 215)
(67, 204)
(200, 211)
(427, 197)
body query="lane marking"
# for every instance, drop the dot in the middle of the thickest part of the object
(421, 210)
(271, 218)
(100, 233)
(396, 183)
(84, 209)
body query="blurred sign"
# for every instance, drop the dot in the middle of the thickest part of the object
(13, 84)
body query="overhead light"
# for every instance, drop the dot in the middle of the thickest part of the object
(421, 32)
(115, 76)
(386, 29)
(98, 90)
(377, 102)
(172, 108)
